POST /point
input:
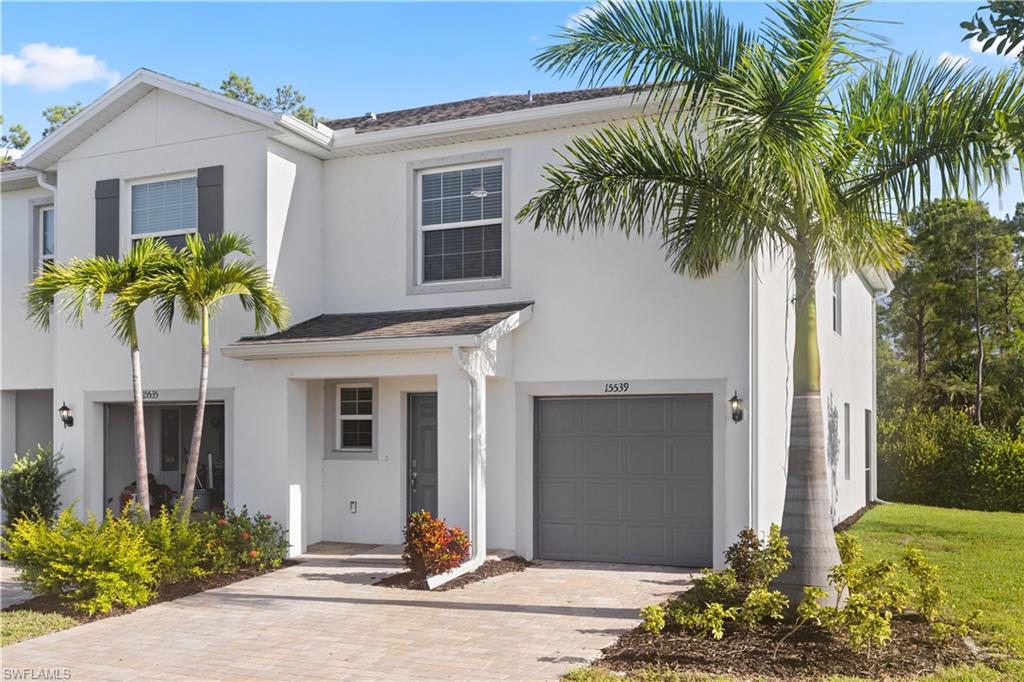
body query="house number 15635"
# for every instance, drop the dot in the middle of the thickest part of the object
(616, 388)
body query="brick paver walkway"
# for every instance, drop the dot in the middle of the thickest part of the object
(322, 619)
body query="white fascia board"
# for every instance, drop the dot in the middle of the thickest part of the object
(877, 280)
(604, 107)
(143, 81)
(21, 178)
(271, 350)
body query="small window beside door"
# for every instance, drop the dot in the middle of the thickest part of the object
(355, 418)
(45, 225)
(837, 304)
(846, 440)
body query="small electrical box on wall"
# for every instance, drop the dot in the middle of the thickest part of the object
(353, 507)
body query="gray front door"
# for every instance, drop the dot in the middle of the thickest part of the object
(624, 479)
(423, 452)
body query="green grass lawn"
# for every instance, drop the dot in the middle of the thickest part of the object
(18, 625)
(980, 556)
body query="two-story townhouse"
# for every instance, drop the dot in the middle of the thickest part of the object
(563, 397)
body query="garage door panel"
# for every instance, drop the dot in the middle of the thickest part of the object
(601, 456)
(625, 479)
(647, 543)
(601, 542)
(602, 500)
(558, 499)
(598, 416)
(690, 413)
(561, 456)
(644, 456)
(691, 456)
(646, 500)
(644, 415)
(558, 416)
(558, 540)
(691, 505)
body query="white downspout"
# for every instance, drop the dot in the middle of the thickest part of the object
(477, 492)
(52, 189)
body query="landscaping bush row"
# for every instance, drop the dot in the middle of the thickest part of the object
(941, 458)
(95, 565)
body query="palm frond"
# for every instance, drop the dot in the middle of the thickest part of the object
(671, 50)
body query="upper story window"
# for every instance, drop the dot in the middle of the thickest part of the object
(167, 210)
(837, 304)
(44, 236)
(461, 226)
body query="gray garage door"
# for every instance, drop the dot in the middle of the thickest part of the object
(624, 479)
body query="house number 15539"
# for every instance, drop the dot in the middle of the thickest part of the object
(616, 388)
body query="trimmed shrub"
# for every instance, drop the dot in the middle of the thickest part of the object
(32, 485)
(239, 540)
(941, 458)
(90, 565)
(176, 544)
(432, 546)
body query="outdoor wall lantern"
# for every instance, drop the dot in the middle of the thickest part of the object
(736, 403)
(65, 415)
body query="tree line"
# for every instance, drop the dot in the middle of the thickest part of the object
(952, 331)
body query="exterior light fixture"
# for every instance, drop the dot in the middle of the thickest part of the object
(66, 417)
(478, 193)
(736, 403)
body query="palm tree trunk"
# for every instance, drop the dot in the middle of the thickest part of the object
(806, 514)
(197, 426)
(141, 465)
(979, 365)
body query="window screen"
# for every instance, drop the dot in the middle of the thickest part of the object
(166, 206)
(461, 224)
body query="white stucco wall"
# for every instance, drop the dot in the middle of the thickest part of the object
(26, 353)
(847, 376)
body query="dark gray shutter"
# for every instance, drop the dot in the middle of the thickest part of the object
(108, 217)
(210, 187)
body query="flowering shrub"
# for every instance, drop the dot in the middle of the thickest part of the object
(432, 546)
(91, 565)
(240, 539)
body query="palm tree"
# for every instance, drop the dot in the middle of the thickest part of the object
(802, 141)
(197, 283)
(85, 283)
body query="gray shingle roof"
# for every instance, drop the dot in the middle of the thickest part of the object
(394, 324)
(467, 108)
(7, 166)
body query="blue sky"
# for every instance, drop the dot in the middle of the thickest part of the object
(347, 58)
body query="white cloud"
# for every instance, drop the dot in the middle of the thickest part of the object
(979, 47)
(954, 59)
(576, 19)
(42, 66)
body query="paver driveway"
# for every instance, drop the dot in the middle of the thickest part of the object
(322, 619)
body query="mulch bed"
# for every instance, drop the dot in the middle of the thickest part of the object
(810, 653)
(853, 518)
(488, 569)
(169, 592)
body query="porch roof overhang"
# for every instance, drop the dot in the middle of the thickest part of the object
(394, 331)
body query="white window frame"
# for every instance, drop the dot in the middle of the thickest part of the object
(340, 418)
(131, 236)
(40, 217)
(837, 304)
(416, 170)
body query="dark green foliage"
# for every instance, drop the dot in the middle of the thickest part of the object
(32, 485)
(58, 115)
(941, 458)
(738, 593)
(286, 98)
(960, 299)
(92, 566)
(12, 137)
(239, 539)
(1002, 31)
